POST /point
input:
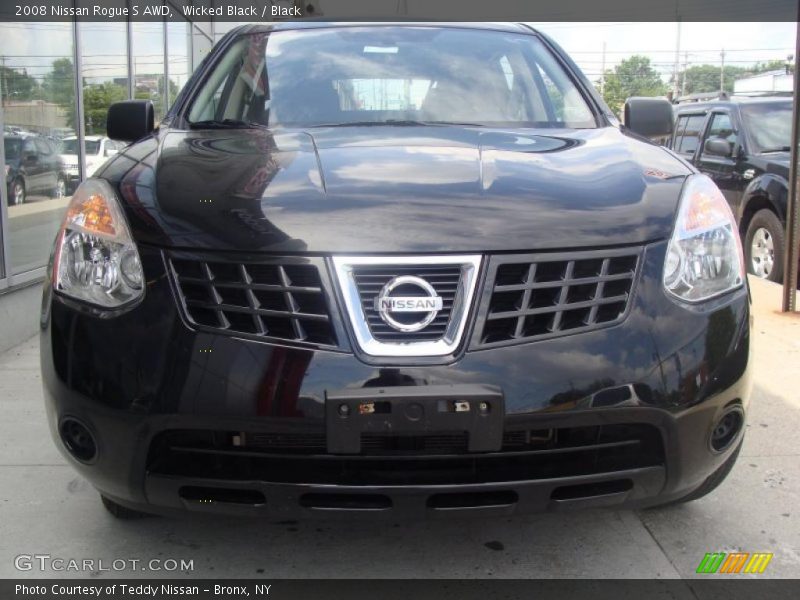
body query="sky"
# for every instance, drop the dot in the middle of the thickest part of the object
(744, 43)
(34, 46)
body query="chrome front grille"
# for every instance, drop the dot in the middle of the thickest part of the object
(393, 332)
(541, 296)
(370, 280)
(278, 298)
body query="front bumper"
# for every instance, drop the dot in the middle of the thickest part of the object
(620, 416)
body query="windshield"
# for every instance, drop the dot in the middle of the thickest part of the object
(71, 146)
(390, 75)
(770, 125)
(12, 147)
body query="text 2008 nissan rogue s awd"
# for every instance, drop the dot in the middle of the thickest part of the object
(398, 270)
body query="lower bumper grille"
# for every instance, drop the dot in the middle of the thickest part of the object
(387, 460)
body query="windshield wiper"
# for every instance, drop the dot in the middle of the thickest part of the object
(388, 123)
(395, 123)
(780, 149)
(226, 124)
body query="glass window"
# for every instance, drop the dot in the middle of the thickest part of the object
(38, 98)
(201, 46)
(384, 74)
(722, 128)
(769, 125)
(178, 47)
(105, 72)
(690, 130)
(148, 64)
(12, 147)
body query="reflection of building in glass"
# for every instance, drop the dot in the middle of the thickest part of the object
(42, 65)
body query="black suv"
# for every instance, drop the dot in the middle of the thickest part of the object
(395, 270)
(32, 166)
(743, 144)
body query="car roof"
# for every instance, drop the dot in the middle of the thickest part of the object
(90, 138)
(322, 24)
(733, 102)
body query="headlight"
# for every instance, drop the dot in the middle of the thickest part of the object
(96, 260)
(704, 258)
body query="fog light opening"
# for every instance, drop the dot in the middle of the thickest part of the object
(726, 429)
(78, 440)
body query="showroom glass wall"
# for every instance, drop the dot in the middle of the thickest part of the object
(57, 81)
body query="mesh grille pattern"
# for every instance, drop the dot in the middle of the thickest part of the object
(279, 299)
(371, 280)
(547, 296)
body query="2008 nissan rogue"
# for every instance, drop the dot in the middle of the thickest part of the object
(395, 269)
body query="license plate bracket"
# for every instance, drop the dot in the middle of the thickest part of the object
(475, 409)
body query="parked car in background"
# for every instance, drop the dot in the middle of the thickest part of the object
(743, 144)
(32, 165)
(98, 148)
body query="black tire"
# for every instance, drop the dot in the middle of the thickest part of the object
(60, 190)
(768, 221)
(713, 481)
(16, 193)
(122, 512)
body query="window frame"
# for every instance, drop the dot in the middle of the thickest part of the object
(178, 116)
(701, 154)
(681, 132)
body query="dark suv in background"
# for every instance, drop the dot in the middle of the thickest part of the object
(743, 144)
(32, 165)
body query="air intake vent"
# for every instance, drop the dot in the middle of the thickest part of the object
(282, 298)
(543, 296)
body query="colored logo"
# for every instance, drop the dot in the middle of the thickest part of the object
(735, 562)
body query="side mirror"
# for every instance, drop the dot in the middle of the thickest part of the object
(130, 120)
(31, 158)
(718, 147)
(649, 117)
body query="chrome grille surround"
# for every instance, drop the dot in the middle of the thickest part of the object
(374, 341)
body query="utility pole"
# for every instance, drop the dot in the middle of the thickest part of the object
(675, 88)
(683, 78)
(603, 72)
(722, 72)
(792, 236)
(3, 88)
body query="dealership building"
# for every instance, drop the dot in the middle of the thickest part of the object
(57, 80)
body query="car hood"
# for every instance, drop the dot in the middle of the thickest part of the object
(777, 163)
(397, 189)
(73, 158)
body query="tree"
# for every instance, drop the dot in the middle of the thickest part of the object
(58, 87)
(17, 85)
(59, 84)
(699, 79)
(705, 78)
(634, 76)
(97, 98)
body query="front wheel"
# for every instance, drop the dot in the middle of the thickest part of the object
(763, 246)
(60, 190)
(16, 194)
